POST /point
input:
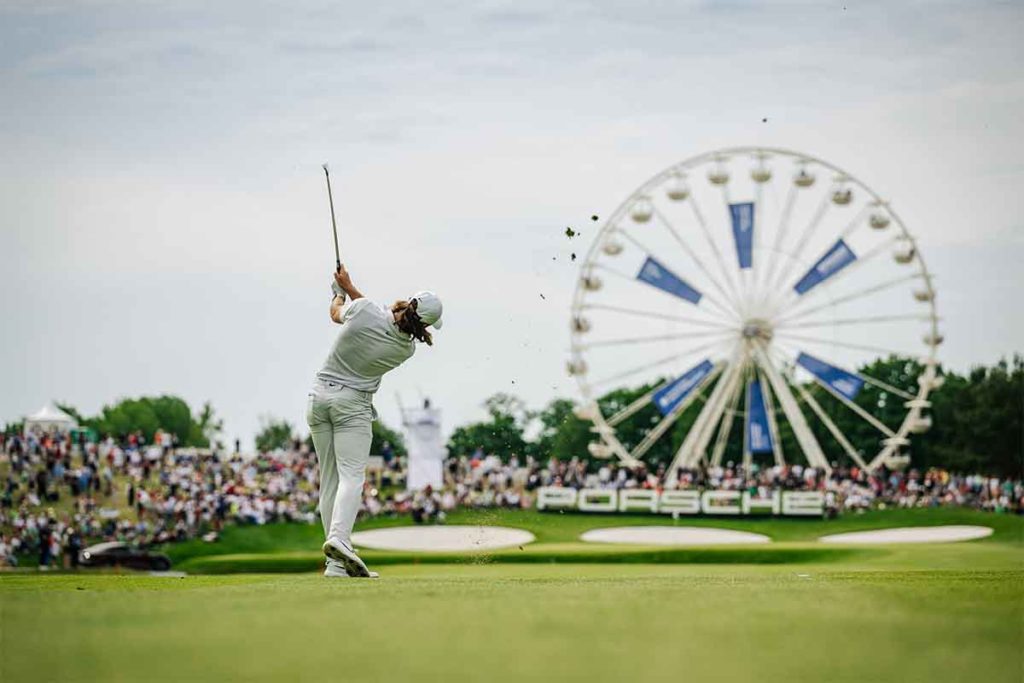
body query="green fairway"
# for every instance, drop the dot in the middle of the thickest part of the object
(296, 548)
(794, 610)
(522, 622)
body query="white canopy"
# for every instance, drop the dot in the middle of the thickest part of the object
(49, 418)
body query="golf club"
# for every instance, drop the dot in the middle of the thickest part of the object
(334, 225)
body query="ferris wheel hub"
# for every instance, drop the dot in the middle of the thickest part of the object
(757, 328)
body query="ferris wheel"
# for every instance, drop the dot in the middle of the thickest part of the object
(746, 286)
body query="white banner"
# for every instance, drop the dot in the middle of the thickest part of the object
(682, 502)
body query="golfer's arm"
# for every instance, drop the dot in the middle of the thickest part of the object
(338, 303)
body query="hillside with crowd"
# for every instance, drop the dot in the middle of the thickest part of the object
(60, 495)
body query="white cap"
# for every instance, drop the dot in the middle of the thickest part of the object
(428, 307)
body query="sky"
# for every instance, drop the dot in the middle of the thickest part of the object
(163, 218)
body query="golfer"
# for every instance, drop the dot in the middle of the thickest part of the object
(373, 340)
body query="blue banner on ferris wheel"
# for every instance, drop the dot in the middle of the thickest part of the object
(834, 260)
(844, 383)
(759, 435)
(743, 232)
(672, 394)
(657, 275)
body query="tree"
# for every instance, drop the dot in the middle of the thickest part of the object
(978, 422)
(562, 434)
(382, 433)
(501, 435)
(208, 427)
(146, 415)
(274, 433)
(72, 411)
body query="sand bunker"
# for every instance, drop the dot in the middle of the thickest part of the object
(671, 535)
(441, 538)
(913, 534)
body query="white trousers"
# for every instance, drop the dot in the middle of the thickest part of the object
(340, 421)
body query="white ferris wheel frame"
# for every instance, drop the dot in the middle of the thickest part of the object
(712, 425)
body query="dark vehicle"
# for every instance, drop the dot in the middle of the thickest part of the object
(123, 555)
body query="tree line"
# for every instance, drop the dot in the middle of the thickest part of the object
(146, 416)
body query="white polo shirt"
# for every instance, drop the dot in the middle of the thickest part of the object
(368, 345)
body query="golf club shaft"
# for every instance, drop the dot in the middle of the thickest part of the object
(334, 224)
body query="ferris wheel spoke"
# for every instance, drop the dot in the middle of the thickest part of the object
(885, 386)
(773, 422)
(658, 363)
(780, 233)
(668, 420)
(624, 341)
(752, 291)
(860, 373)
(654, 315)
(612, 271)
(854, 223)
(804, 436)
(725, 427)
(699, 215)
(865, 415)
(634, 407)
(819, 213)
(702, 294)
(867, 320)
(845, 345)
(809, 282)
(797, 313)
(696, 259)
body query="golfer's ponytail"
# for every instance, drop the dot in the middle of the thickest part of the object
(408, 321)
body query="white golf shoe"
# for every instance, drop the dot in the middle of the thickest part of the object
(334, 570)
(346, 556)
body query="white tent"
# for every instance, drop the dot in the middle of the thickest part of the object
(49, 418)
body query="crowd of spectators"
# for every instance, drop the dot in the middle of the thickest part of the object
(59, 495)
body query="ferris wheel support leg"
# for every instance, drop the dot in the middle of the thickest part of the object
(808, 444)
(726, 426)
(880, 459)
(607, 434)
(773, 424)
(688, 453)
(659, 429)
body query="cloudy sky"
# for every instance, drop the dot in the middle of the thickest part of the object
(163, 224)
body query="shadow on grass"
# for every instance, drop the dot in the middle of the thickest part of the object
(310, 562)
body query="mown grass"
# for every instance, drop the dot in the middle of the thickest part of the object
(297, 545)
(547, 553)
(840, 621)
